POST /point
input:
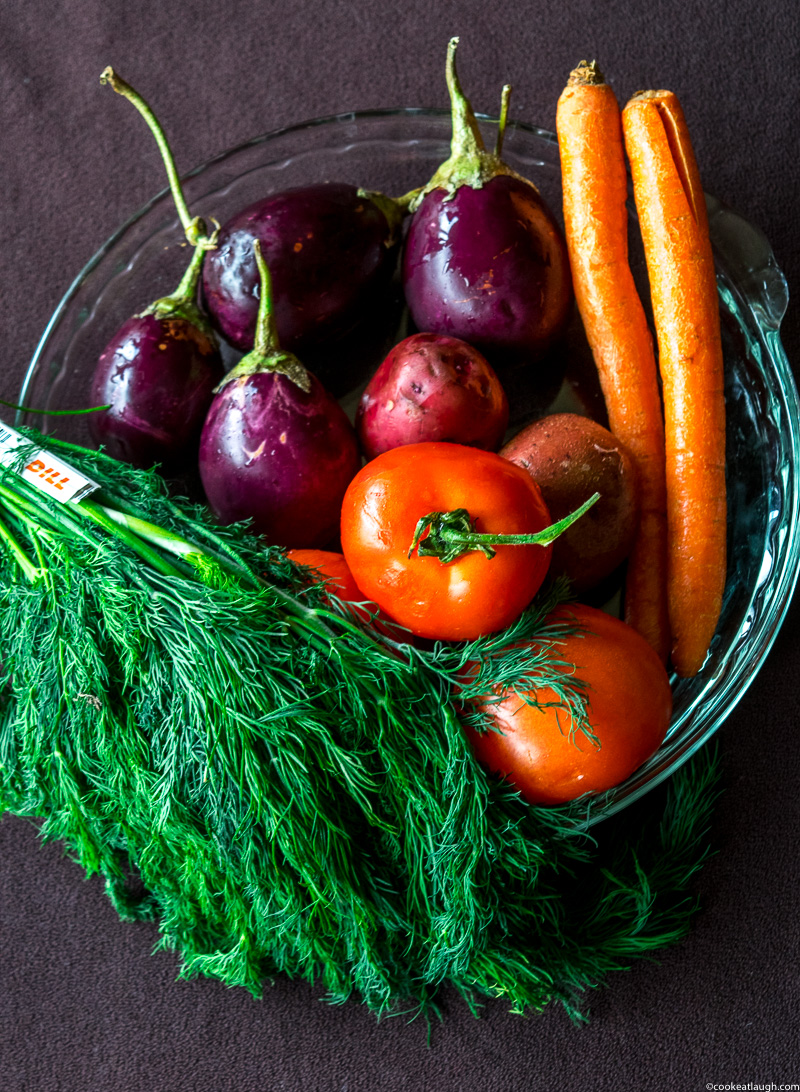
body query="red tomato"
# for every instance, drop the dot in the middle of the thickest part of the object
(462, 599)
(630, 704)
(332, 567)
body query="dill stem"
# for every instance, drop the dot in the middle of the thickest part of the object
(40, 518)
(22, 512)
(52, 442)
(223, 553)
(96, 513)
(52, 412)
(184, 548)
(19, 555)
(151, 532)
(308, 619)
(221, 547)
(14, 502)
(29, 505)
(137, 532)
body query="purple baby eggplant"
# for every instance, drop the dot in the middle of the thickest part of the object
(484, 259)
(157, 374)
(329, 248)
(276, 448)
(504, 288)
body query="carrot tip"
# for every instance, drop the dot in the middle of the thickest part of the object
(649, 95)
(587, 74)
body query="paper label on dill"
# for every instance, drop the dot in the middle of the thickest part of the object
(46, 471)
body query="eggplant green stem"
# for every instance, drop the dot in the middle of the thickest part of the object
(194, 227)
(503, 120)
(469, 163)
(266, 354)
(187, 289)
(452, 534)
(266, 337)
(182, 303)
(392, 210)
(466, 138)
(407, 201)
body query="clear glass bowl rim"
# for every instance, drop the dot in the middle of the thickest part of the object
(781, 380)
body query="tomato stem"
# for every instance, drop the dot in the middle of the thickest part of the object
(452, 534)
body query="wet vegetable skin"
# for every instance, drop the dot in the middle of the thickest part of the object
(464, 598)
(432, 388)
(158, 377)
(281, 457)
(489, 266)
(629, 711)
(326, 249)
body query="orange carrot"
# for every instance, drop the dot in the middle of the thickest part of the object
(595, 189)
(680, 265)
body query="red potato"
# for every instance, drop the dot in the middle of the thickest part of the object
(570, 457)
(432, 388)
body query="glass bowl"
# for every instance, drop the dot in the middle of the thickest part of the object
(395, 151)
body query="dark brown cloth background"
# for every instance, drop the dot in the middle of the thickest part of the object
(84, 1007)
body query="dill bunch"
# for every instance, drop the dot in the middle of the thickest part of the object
(294, 790)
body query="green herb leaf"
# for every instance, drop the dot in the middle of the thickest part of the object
(296, 793)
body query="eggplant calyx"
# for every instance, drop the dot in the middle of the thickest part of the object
(393, 212)
(181, 304)
(469, 164)
(185, 310)
(278, 362)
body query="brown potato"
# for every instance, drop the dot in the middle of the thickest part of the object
(570, 457)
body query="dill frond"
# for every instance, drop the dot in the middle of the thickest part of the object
(295, 793)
